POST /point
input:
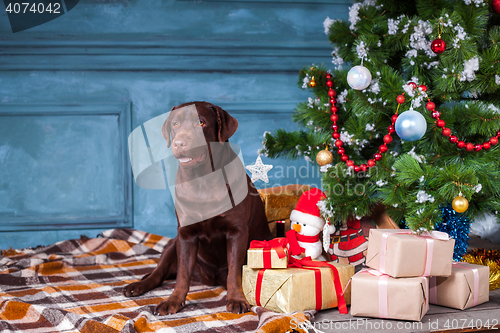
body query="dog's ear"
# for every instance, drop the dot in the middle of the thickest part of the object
(227, 124)
(165, 129)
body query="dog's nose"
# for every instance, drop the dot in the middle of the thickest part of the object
(179, 144)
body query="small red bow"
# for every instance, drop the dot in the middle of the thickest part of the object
(277, 244)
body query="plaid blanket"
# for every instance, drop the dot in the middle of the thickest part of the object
(76, 286)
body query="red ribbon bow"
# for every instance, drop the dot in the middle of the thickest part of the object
(277, 244)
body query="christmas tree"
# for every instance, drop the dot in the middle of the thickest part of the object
(433, 69)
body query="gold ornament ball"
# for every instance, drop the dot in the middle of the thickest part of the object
(460, 204)
(312, 83)
(324, 157)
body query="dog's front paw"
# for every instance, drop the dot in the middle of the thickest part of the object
(237, 306)
(137, 288)
(171, 305)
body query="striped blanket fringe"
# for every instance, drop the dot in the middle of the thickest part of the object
(76, 286)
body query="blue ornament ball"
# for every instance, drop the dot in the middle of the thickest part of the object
(410, 125)
(359, 77)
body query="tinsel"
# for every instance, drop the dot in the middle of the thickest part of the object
(457, 226)
(489, 258)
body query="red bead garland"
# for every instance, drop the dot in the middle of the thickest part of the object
(339, 144)
(469, 146)
(388, 138)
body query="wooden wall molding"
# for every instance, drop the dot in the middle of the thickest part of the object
(24, 222)
(150, 52)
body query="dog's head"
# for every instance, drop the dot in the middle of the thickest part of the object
(191, 126)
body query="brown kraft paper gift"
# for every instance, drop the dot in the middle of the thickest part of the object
(382, 296)
(467, 286)
(407, 255)
(264, 254)
(293, 289)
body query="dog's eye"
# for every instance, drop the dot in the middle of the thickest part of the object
(176, 124)
(201, 122)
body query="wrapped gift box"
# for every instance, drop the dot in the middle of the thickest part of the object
(399, 253)
(467, 286)
(294, 289)
(268, 254)
(280, 201)
(378, 295)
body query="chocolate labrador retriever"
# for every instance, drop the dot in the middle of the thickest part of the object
(215, 223)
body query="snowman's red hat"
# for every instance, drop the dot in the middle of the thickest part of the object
(307, 211)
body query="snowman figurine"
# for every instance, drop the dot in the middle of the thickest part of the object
(307, 223)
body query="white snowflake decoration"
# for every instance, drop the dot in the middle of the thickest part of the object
(470, 67)
(305, 81)
(392, 25)
(422, 197)
(327, 23)
(362, 50)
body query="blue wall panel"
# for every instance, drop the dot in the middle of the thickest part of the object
(151, 55)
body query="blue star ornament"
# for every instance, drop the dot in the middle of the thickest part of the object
(259, 170)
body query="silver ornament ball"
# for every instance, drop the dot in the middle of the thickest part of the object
(359, 77)
(410, 125)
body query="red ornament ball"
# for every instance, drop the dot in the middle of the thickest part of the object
(498, 133)
(383, 148)
(438, 46)
(478, 147)
(390, 129)
(423, 88)
(344, 158)
(350, 163)
(394, 118)
(329, 83)
(328, 76)
(453, 139)
(430, 106)
(357, 168)
(435, 114)
(338, 143)
(333, 101)
(332, 93)
(333, 109)
(446, 131)
(335, 135)
(400, 99)
(363, 167)
(334, 118)
(335, 127)
(440, 123)
(495, 4)
(413, 85)
(387, 138)
(486, 145)
(377, 157)
(494, 140)
(469, 146)
(371, 163)
(460, 144)
(340, 151)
